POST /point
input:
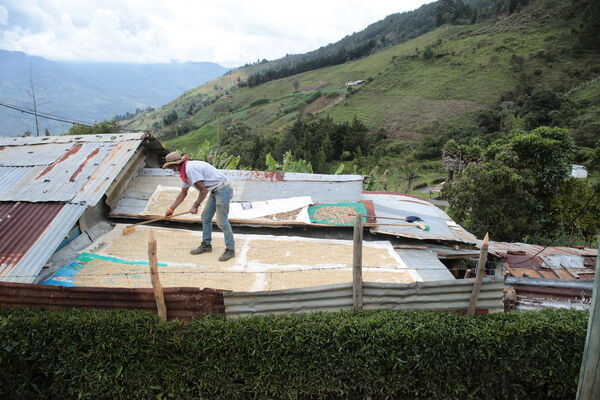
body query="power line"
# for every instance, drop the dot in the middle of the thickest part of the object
(42, 115)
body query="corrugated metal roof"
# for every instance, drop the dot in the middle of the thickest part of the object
(77, 171)
(100, 138)
(447, 295)
(45, 185)
(395, 205)
(29, 234)
(535, 261)
(551, 293)
(26, 155)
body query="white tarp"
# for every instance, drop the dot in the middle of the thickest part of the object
(163, 196)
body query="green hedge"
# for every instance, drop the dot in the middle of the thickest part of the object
(377, 355)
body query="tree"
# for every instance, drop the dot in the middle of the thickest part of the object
(492, 197)
(455, 157)
(96, 129)
(536, 109)
(590, 29)
(170, 118)
(576, 210)
(512, 192)
(409, 173)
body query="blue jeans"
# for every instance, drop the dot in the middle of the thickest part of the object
(218, 201)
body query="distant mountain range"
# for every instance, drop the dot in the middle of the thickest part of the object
(89, 92)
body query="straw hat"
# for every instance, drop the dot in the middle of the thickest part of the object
(173, 158)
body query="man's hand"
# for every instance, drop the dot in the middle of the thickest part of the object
(169, 212)
(194, 209)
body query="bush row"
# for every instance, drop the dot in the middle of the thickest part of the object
(377, 355)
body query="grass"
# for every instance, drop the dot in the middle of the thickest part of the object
(192, 140)
(404, 93)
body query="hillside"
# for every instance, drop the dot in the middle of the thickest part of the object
(413, 89)
(90, 92)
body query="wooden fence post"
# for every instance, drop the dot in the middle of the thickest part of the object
(357, 264)
(479, 276)
(589, 375)
(158, 290)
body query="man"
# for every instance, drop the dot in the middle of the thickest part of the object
(205, 178)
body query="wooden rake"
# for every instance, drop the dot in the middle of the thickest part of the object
(131, 228)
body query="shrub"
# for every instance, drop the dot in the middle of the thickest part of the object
(259, 102)
(378, 355)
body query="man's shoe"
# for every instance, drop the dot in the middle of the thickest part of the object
(228, 255)
(203, 248)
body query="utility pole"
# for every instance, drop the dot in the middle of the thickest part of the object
(32, 94)
(589, 376)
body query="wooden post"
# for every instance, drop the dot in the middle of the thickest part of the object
(158, 291)
(589, 375)
(357, 264)
(479, 276)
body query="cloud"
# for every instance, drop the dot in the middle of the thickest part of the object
(229, 32)
(3, 15)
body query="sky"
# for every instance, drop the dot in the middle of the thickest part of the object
(228, 32)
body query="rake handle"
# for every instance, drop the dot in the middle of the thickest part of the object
(378, 217)
(158, 219)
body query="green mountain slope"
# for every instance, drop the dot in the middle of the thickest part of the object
(410, 90)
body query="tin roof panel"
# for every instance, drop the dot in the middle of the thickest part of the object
(23, 156)
(29, 234)
(100, 138)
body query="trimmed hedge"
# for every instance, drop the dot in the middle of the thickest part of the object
(378, 355)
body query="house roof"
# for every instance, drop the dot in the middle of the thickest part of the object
(250, 186)
(72, 169)
(534, 261)
(46, 183)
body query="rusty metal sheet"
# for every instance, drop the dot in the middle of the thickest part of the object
(63, 179)
(24, 156)
(536, 261)
(80, 174)
(29, 234)
(101, 176)
(551, 293)
(182, 303)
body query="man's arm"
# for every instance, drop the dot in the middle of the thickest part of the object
(180, 197)
(202, 192)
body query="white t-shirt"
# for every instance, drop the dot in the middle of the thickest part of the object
(202, 171)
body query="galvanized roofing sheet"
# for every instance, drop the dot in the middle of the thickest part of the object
(45, 185)
(26, 156)
(101, 138)
(77, 171)
(435, 296)
(29, 234)
(441, 226)
(248, 186)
